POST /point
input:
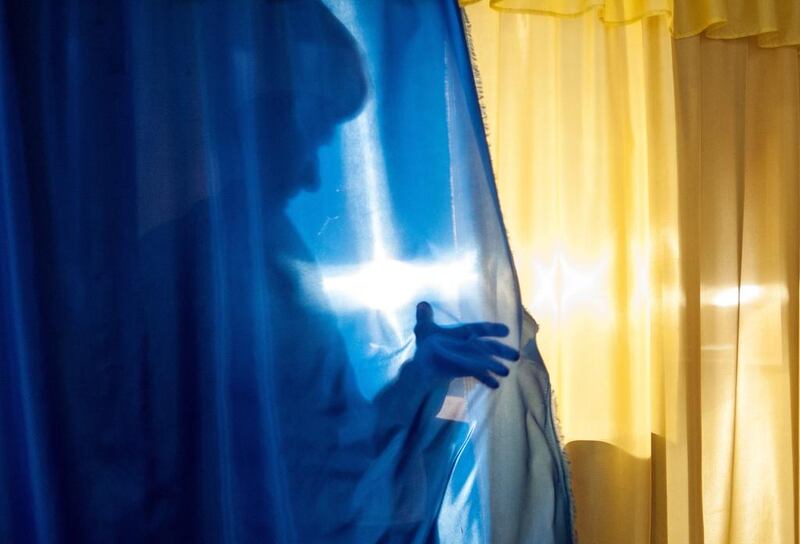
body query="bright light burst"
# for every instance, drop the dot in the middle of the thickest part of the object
(561, 285)
(388, 285)
(735, 296)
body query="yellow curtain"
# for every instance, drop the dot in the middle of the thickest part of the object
(650, 191)
(738, 122)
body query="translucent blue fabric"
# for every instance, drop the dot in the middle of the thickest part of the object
(217, 221)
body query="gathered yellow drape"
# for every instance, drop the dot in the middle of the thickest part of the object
(650, 189)
(775, 22)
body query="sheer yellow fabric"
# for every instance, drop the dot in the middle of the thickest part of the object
(775, 22)
(650, 191)
(609, 11)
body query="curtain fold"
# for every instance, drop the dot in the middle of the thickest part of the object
(650, 190)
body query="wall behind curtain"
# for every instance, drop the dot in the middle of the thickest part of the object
(650, 191)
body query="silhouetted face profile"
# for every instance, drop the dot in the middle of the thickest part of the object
(307, 78)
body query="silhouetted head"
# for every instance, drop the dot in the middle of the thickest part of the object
(305, 78)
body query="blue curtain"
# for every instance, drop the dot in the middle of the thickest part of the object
(217, 223)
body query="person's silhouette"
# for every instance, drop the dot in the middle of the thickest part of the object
(255, 423)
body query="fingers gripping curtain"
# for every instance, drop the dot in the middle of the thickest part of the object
(218, 219)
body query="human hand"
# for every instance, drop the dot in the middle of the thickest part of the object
(444, 353)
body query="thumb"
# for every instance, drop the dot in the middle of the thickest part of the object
(425, 325)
